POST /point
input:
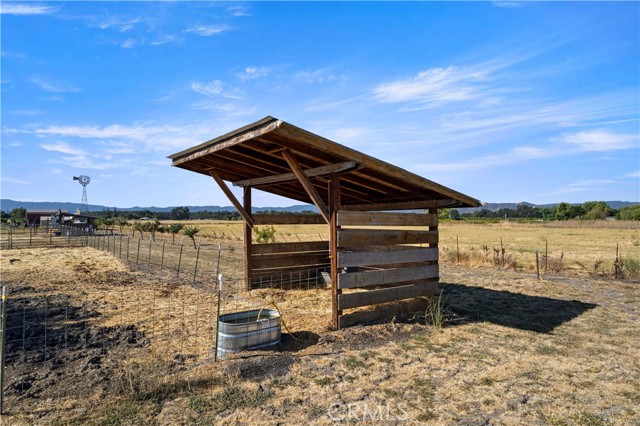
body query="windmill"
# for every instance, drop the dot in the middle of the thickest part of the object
(84, 181)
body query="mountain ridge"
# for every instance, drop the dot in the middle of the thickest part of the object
(7, 205)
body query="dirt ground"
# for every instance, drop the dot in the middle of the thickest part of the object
(513, 350)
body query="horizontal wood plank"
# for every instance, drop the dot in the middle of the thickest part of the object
(373, 297)
(287, 219)
(386, 257)
(369, 237)
(296, 247)
(386, 276)
(354, 218)
(289, 259)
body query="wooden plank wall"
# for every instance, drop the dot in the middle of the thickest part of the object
(280, 263)
(380, 260)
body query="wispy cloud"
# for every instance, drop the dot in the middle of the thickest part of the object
(433, 86)
(322, 75)
(128, 43)
(509, 4)
(26, 112)
(251, 73)
(238, 10)
(208, 30)
(164, 39)
(8, 8)
(120, 24)
(585, 185)
(16, 181)
(208, 89)
(600, 140)
(635, 174)
(63, 148)
(54, 86)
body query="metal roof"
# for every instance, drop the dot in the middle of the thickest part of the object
(256, 151)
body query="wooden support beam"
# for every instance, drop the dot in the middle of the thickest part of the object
(386, 276)
(248, 262)
(286, 177)
(243, 212)
(334, 206)
(386, 257)
(287, 219)
(384, 295)
(306, 184)
(404, 205)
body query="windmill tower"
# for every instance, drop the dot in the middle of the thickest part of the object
(84, 181)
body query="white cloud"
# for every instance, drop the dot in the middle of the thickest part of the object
(54, 86)
(635, 174)
(238, 10)
(434, 85)
(7, 8)
(63, 148)
(251, 73)
(600, 140)
(165, 39)
(26, 112)
(128, 43)
(208, 89)
(122, 25)
(322, 75)
(208, 30)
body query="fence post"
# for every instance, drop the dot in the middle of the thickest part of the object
(138, 253)
(180, 259)
(3, 339)
(162, 255)
(128, 244)
(195, 269)
(537, 265)
(149, 259)
(457, 250)
(30, 232)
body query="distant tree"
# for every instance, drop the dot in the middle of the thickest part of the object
(173, 229)
(179, 213)
(139, 227)
(454, 214)
(153, 226)
(442, 214)
(121, 222)
(629, 212)
(190, 232)
(566, 211)
(596, 210)
(18, 216)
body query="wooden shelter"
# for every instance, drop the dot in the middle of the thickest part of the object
(375, 254)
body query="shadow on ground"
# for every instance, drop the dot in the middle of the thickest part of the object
(521, 311)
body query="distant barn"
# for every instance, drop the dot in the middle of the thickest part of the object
(375, 254)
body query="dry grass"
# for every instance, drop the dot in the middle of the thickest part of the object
(512, 349)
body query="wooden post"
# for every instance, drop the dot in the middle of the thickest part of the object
(334, 206)
(247, 237)
(434, 211)
(537, 264)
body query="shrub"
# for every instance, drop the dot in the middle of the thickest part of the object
(266, 234)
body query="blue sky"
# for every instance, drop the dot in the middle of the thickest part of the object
(503, 101)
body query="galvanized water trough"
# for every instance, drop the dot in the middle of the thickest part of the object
(239, 331)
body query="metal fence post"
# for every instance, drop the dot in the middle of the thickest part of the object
(195, 268)
(3, 339)
(180, 259)
(162, 255)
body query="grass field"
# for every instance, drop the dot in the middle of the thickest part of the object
(513, 349)
(581, 247)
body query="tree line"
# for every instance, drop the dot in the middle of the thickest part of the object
(590, 210)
